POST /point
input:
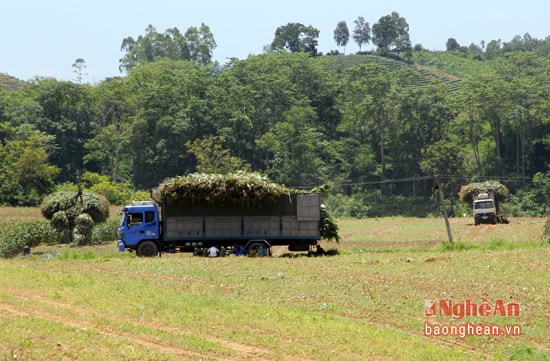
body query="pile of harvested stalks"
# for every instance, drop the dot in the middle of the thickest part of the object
(470, 191)
(93, 204)
(239, 189)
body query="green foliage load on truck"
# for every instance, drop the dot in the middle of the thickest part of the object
(470, 191)
(237, 189)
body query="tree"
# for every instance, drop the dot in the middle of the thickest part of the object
(64, 110)
(489, 106)
(196, 45)
(470, 127)
(493, 49)
(452, 45)
(475, 51)
(295, 149)
(108, 151)
(341, 34)
(361, 32)
(296, 37)
(213, 158)
(424, 115)
(527, 76)
(79, 66)
(115, 192)
(391, 30)
(201, 44)
(444, 157)
(26, 175)
(252, 95)
(521, 43)
(367, 106)
(172, 107)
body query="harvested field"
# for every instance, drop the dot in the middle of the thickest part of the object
(93, 303)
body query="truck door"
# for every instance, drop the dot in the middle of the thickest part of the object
(141, 225)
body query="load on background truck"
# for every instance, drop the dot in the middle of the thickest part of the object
(150, 228)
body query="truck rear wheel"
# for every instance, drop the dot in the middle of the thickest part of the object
(147, 249)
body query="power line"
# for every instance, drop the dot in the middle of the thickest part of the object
(468, 179)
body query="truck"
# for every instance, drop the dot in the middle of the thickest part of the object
(484, 209)
(152, 227)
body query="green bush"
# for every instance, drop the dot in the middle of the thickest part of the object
(525, 204)
(342, 206)
(33, 233)
(105, 232)
(29, 234)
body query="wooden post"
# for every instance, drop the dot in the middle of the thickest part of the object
(442, 201)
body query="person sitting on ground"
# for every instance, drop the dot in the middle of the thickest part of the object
(320, 250)
(261, 251)
(213, 251)
(239, 250)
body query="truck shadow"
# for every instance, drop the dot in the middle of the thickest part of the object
(327, 253)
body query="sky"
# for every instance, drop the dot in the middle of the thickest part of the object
(44, 38)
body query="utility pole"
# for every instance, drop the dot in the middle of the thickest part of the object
(442, 201)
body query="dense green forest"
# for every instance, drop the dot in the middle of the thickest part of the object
(377, 126)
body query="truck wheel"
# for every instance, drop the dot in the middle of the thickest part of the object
(147, 249)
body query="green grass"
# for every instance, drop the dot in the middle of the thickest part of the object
(94, 303)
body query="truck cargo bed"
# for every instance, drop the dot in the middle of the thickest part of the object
(295, 216)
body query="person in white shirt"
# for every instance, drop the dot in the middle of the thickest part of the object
(213, 251)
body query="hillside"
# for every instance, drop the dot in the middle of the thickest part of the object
(9, 82)
(445, 67)
(433, 67)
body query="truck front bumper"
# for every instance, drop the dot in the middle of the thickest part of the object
(487, 218)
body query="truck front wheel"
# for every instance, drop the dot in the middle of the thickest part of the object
(147, 249)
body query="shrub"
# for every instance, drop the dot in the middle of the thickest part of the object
(105, 232)
(329, 228)
(29, 234)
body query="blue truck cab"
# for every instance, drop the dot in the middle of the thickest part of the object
(140, 228)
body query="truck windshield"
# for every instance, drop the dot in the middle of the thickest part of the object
(484, 205)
